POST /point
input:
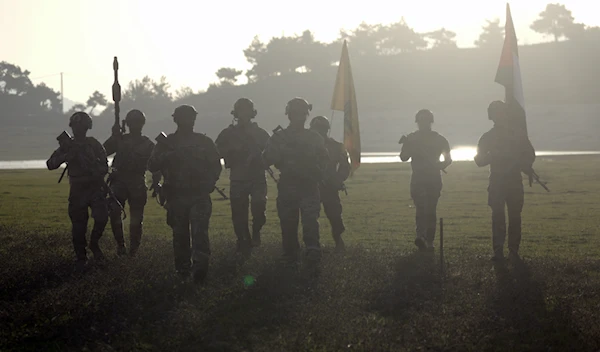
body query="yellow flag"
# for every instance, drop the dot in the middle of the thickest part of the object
(344, 99)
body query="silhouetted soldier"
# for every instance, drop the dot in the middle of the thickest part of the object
(191, 166)
(241, 146)
(508, 155)
(301, 157)
(424, 148)
(128, 178)
(86, 165)
(337, 171)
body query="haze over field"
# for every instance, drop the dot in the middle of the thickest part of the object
(415, 58)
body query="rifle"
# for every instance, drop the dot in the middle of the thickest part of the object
(403, 141)
(116, 93)
(65, 139)
(162, 139)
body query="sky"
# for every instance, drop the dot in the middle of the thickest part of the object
(188, 41)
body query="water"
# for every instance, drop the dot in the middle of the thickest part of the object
(458, 154)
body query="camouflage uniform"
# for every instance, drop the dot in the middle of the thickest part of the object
(507, 157)
(336, 173)
(424, 148)
(128, 183)
(87, 166)
(301, 157)
(241, 147)
(190, 172)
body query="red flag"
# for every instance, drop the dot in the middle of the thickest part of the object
(509, 74)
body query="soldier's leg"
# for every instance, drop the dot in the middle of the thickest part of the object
(420, 201)
(200, 214)
(238, 194)
(137, 201)
(78, 213)
(288, 210)
(431, 216)
(99, 205)
(258, 209)
(497, 201)
(310, 210)
(116, 222)
(332, 206)
(178, 218)
(514, 206)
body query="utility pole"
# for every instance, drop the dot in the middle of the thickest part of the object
(62, 95)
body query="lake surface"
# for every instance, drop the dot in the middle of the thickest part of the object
(458, 154)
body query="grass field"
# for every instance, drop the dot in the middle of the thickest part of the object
(381, 296)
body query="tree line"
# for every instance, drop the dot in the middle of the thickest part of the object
(279, 56)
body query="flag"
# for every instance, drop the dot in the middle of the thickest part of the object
(344, 99)
(509, 75)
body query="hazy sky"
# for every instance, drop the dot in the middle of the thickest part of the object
(188, 40)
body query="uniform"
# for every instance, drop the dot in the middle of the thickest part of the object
(507, 156)
(301, 157)
(424, 148)
(190, 172)
(87, 167)
(336, 172)
(241, 147)
(128, 183)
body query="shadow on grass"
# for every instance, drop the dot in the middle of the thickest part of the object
(522, 320)
(416, 283)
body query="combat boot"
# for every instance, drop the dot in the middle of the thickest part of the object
(340, 246)
(420, 242)
(135, 238)
(121, 250)
(256, 239)
(95, 248)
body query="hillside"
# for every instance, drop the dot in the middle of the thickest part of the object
(559, 79)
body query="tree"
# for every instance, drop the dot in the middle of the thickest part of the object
(555, 20)
(13, 80)
(492, 35)
(94, 100)
(183, 92)
(366, 39)
(442, 39)
(253, 54)
(400, 38)
(228, 75)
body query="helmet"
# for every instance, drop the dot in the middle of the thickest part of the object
(243, 103)
(185, 112)
(135, 115)
(81, 117)
(424, 115)
(298, 105)
(320, 123)
(495, 108)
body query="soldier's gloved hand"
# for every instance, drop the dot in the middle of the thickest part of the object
(116, 130)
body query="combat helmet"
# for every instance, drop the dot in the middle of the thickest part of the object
(424, 115)
(81, 117)
(299, 105)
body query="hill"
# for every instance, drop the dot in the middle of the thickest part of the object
(559, 79)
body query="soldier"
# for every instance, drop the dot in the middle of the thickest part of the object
(127, 178)
(241, 146)
(191, 166)
(508, 156)
(336, 173)
(301, 156)
(424, 148)
(87, 165)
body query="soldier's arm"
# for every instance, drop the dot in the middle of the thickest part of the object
(528, 157)
(446, 153)
(483, 156)
(158, 158)
(111, 145)
(58, 157)
(343, 171)
(100, 155)
(214, 159)
(406, 152)
(272, 153)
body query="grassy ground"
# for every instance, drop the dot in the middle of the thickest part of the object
(382, 295)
